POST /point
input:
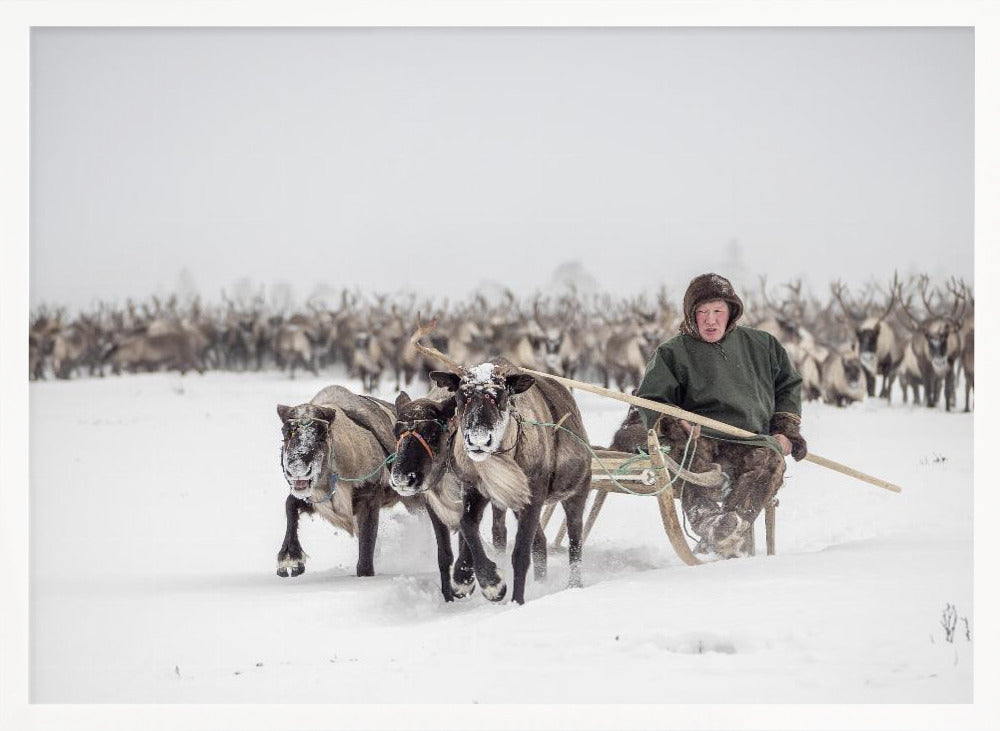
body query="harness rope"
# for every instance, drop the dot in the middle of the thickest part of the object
(684, 464)
(620, 469)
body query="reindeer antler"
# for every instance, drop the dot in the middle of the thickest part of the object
(912, 321)
(432, 352)
(894, 290)
(837, 289)
(960, 291)
(768, 304)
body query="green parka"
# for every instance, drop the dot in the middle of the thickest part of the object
(743, 380)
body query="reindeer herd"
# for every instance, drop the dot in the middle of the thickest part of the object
(914, 335)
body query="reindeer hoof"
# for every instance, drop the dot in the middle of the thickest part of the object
(496, 590)
(462, 590)
(291, 567)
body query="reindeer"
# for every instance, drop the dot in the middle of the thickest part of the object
(172, 350)
(336, 435)
(76, 347)
(968, 362)
(629, 346)
(934, 347)
(786, 322)
(43, 329)
(843, 378)
(293, 345)
(552, 344)
(879, 349)
(424, 433)
(967, 335)
(496, 457)
(909, 375)
(366, 359)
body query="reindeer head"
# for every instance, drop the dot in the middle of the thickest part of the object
(483, 404)
(483, 395)
(938, 327)
(546, 336)
(867, 344)
(305, 450)
(423, 430)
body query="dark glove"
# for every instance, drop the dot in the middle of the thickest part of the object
(788, 425)
(670, 430)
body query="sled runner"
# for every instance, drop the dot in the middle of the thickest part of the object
(657, 474)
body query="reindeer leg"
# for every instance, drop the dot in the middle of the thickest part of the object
(499, 529)
(291, 558)
(366, 510)
(463, 580)
(444, 555)
(487, 575)
(949, 390)
(887, 381)
(527, 527)
(574, 507)
(539, 553)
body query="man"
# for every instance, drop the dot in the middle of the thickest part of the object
(733, 374)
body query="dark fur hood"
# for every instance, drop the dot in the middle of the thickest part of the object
(707, 287)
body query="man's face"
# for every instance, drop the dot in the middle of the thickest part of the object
(712, 318)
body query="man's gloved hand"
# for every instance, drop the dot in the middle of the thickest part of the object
(785, 427)
(675, 430)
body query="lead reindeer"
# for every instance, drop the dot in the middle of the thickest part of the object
(500, 459)
(337, 434)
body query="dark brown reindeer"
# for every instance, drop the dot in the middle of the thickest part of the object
(424, 432)
(499, 458)
(879, 349)
(934, 347)
(337, 434)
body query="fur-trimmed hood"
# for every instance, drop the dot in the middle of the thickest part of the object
(706, 287)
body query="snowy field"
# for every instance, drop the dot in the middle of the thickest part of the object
(155, 523)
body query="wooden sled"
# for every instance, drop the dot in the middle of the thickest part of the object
(648, 475)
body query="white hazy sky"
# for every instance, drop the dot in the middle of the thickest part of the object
(434, 158)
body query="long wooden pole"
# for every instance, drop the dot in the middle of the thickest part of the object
(705, 421)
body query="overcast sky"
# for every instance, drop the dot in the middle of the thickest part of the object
(435, 159)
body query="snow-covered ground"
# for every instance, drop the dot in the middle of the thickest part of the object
(157, 510)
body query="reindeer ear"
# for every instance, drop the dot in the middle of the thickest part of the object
(520, 382)
(445, 379)
(283, 412)
(448, 408)
(402, 400)
(325, 412)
